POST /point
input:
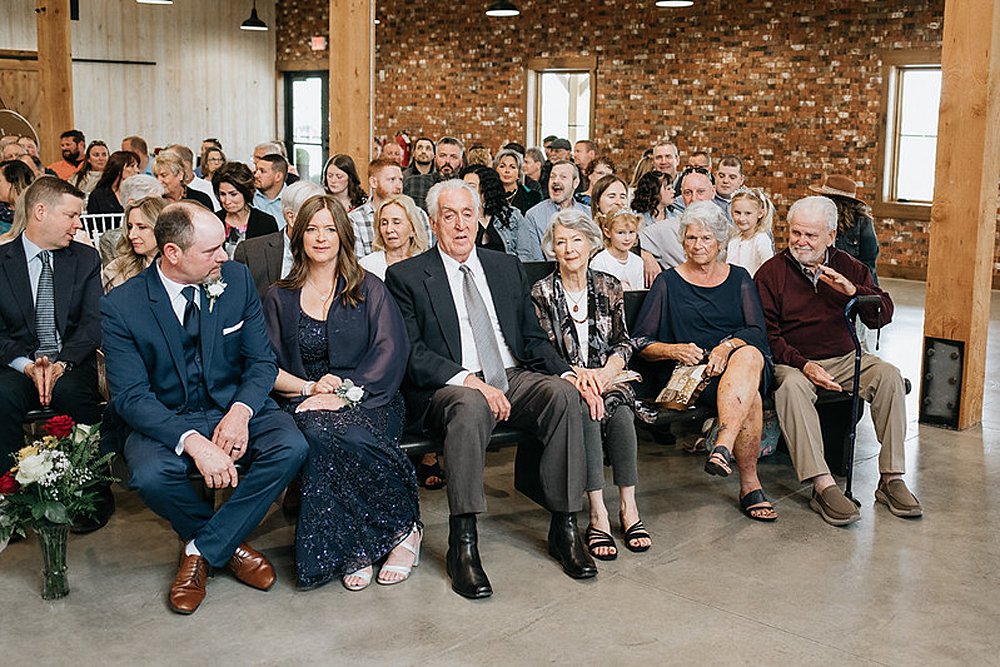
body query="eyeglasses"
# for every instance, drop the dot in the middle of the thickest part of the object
(698, 170)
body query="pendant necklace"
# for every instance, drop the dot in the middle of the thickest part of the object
(576, 302)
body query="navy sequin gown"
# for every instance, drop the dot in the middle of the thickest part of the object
(359, 490)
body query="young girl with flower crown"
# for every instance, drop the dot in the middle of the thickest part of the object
(752, 213)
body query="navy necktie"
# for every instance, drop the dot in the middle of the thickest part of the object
(191, 324)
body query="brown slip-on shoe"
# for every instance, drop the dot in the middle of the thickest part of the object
(894, 495)
(188, 589)
(835, 508)
(252, 568)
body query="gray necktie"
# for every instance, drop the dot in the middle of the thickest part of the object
(483, 334)
(45, 311)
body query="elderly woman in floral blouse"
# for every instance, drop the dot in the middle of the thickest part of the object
(583, 312)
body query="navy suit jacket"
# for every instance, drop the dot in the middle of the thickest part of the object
(76, 282)
(147, 373)
(420, 286)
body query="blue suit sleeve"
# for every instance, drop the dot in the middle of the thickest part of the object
(128, 381)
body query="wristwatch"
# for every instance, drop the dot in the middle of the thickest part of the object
(67, 365)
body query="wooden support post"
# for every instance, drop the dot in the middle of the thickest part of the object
(963, 217)
(55, 65)
(352, 86)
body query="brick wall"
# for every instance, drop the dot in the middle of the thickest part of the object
(793, 87)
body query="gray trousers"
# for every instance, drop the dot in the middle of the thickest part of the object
(622, 448)
(544, 405)
(880, 384)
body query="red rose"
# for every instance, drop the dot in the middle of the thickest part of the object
(60, 426)
(8, 484)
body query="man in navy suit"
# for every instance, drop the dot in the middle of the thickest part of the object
(479, 357)
(49, 324)
(190, 368)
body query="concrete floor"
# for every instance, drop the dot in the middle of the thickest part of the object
(716, 588)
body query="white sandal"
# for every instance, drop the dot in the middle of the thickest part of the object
(365, 574)
(403, 569)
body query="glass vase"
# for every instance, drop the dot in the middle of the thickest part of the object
(52, 539)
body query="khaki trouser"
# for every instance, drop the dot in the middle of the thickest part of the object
(881, 385)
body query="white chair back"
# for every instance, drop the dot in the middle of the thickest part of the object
(97, 223)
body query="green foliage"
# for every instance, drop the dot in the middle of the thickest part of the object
(65, 493)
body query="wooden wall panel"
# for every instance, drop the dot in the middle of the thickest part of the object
(206, 78)
(19, 88)
(17, 25)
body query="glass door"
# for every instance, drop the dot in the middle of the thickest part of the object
(307, 122)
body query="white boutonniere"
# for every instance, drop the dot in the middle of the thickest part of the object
(350, 393)
(214, 290)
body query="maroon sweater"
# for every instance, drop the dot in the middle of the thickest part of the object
(806, 324)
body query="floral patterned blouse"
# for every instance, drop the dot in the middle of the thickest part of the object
(606, 322)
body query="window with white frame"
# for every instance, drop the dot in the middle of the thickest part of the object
(912, 95)
(560, 99)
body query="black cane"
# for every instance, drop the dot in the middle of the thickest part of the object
(855, 389)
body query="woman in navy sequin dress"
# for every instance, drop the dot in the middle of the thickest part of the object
(330, 321)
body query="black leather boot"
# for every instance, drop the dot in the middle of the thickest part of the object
(566, 546)
(467, 576)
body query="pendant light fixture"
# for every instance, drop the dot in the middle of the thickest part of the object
(254, 22)
(674, 3)
(155, 2)
(502, 9)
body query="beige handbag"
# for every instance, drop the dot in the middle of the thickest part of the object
(684, 387)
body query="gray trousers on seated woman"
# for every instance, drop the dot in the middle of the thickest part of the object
(620, 438)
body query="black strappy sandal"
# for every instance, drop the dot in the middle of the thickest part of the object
(425, 472)
(637, 531)
(756, 501)
(598, 538)
(719, 462)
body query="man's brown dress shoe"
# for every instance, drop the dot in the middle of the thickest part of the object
(188, 589)
(252, 568)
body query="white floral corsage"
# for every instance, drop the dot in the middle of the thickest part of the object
(350, 393)
(214, 290)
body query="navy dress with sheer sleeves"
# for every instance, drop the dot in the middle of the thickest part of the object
(675, 311)
(359, 490)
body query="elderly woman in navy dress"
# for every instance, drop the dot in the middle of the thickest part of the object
(329, 321)
(707, 311)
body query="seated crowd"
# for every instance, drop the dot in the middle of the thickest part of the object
(351, 316)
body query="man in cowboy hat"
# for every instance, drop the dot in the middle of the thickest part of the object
(803, 291)
(855, 229)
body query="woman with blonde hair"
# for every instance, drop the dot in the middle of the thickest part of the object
(169, 171)
(137, 248)
(399, 234)
(341, 347)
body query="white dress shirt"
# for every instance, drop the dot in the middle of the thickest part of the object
(286, 258)
(470, 356)
(31, 256)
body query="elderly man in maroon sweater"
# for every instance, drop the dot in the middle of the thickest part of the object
(803, 291)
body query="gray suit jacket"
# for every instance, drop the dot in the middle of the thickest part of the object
(263, 256)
